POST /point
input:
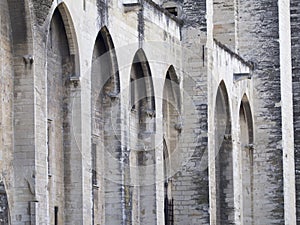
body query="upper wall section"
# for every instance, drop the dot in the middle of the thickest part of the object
(132, 26)
(224, 21)
(99, 10)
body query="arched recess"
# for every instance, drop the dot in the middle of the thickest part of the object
(246, 141)
(106, 145)
(71, 37)
(62, 64)
(142, 140)
(171, 129)
(223, 158)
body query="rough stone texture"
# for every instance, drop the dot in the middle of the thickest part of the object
(58, 72)
(258, 42)
(224, 22)
(6, 112)
(194, 174)
(73, 148)
(295, 20)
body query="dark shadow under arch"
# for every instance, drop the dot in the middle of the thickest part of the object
(62, 64)
(245, 105)
(104, 54)
(141, 83)
(223, 158)
(142, 141)
(171, 129)
(246, 142)
(106, 131)
(71, 36)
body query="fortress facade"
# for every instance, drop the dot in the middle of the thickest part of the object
(149, 112)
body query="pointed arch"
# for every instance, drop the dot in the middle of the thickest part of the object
(245, 109)
(141, 58)
(171, 129)
(222, 109)
(106, 145)
(105, 54)
(142, 139)
(171, 90)
(171, 106)
(246, 142)
(142, 90)
(62, 63)
(172, 75)
(70, 33)
(223, 159)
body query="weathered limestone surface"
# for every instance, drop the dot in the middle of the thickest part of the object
(258, 43)
(74, 150)
(295, 20)
(6, 112)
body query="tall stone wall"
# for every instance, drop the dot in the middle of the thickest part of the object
(258, 43)
(295, 20)
(44, 184)
(6, 113)
(190, 184)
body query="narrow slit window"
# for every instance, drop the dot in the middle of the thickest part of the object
(49, 128)
(56, 215)
(94, 164)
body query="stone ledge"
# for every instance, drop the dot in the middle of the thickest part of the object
(233, 54)
(155, 6)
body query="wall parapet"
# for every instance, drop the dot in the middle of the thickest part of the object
(235, 55)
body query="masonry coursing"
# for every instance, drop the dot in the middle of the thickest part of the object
(53, 125)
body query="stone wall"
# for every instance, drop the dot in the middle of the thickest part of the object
(6, 113)
(295, 20)
(258, 43)
(62, 126)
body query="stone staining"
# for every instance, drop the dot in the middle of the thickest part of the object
(246, 141)
(224, 22)
(106, 145)
(171, 119)
(224, 163)
(59, 68)
(295, 15)
(142, 140)
(80, 190)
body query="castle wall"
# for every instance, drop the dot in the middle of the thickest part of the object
(258, 36)
(130, 29)
(53, 132)
(6, 112)
(295, 50)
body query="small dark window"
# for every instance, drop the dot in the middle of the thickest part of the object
(55, 215)
(94, 164)
(172, 10)
(49, 128)
(84, 5)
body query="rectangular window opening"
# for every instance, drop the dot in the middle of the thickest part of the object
(94, 164)
(172, 10)
(49, 128)
(55, 215)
